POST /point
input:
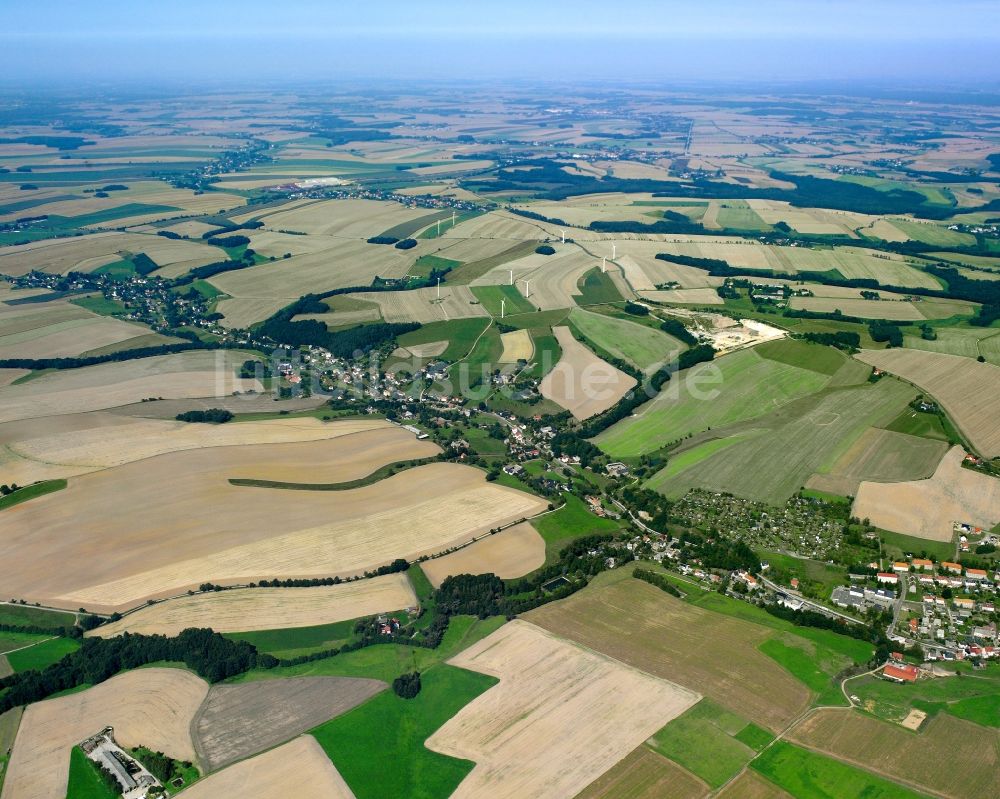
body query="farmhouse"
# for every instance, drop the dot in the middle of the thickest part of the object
(901, 673)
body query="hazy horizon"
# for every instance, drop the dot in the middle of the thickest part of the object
(889, 43)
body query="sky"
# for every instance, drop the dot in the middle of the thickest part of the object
(219, 41)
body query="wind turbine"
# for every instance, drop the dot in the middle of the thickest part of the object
(503, 307)
(604, 265)
(439, 227)
(527, 289)
(614, 251)
(512, 277)
(439, 288)
(563, 234)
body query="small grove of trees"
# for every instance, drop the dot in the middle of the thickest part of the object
(407, 686)
(658, 580)
(545, 249)
(382, 240)
(161, 766)
(211, 416)
(406, 244)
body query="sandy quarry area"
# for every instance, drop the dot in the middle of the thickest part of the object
(32, 452)
(299, 768)
(966, 389)
(248, 609)
(930, 508)
(66, 549)
(511, 553)
(581, 382)
(559, 718)
(151, 707)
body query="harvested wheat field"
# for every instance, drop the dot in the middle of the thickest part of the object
(297, 769)
(930, 508)
(645, 774)
(242, 312)
(517, 346)
(953, 757)
(581, 382)
(559, 718)
(511, 553)
(966, 389)
(881, 456)
(357, 219)
(58, 544)
(424, 305)
(230, 724)
(705, 651)
(249, 609)
(153, 707)
(430, 350)
(750, 785)
(703, 296)
(114, 441)
(109, 385)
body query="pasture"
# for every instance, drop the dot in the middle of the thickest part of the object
(706, 652)
(966, 389)
(800, 439)
(642, 346)
(250, 609)
(967, 342)
(248, 535)
(153, 707)
(952, 757)
(929, 508)
(546, 684)
(511, 553)
(734, 388)
(581, 382)
(300, 762)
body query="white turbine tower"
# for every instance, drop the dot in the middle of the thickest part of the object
(563, 234)
(604, 265)
(527, 289)
(439, 288)
(453, 218)
(512, 277)
(614, 251)
(439, 227)
(503, 307)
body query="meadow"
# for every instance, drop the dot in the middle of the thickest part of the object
(642, 346)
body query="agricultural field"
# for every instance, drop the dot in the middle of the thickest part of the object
(424, 305)
(966, 389)
(706, 652)
(93, 388)
(511, 553)
(644, 774)
(737, 387)
(152, 707)
(250, 609)
(248, 535)
(228, 728)
(928, 308)
(545, 684)
(553, 280)
(949, 756)
(581, 382)
(517, 346)
(798, 440)
(300, 763)
(74, 444)
(929, 508)
(880, 456)
(967, 342)
(644, 347)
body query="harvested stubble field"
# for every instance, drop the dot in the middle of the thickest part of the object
(423, 305)
(966, 389)
(736, 387)
(644, 774)
(967, 342)
(238, 721)
(517, 345)
(223, 533)
(885, 309)
(880, 456)
(299, 768)
(85, 253)
(953, 757)
(929, 508)
(110, 385)
(242, 312)
(81, 443)
(581, 382)
(705, 651)
(559, 718)
(153, 707)
(704, 296)
(801, 438)
(511, 553)
(750, 785)
(250, 609)
(553, 278)
(357, 219)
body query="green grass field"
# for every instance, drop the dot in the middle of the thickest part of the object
(803, 438)
(42, 654)
(292, 642)
(379, 747)
(676, 464)
(514, 301)
(85, 780)
(915, 423)
(425, 264)
(14, 640)
(470, 270)
(935, 235)
(703, 740)
(571, 521)
(431, 232)
(31, 492)
(26, 615)
(967, 342)
(460, 334)
(738, 215)
(814, 357)
(733, 388)
(640, 345)
(807, 775)
(99, 305)
(482, 359)
(596, 287)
